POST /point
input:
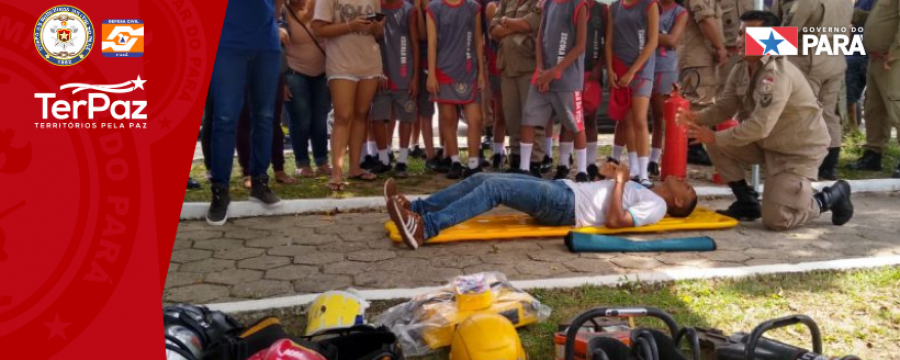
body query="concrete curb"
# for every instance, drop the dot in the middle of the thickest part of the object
(240, 209)
(602, 280)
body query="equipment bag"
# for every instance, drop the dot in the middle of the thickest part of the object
(190, 329)
(362, 342)
(260, 337)
(639, 343)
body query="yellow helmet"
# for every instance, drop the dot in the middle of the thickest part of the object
(486, 336)
(335, 310)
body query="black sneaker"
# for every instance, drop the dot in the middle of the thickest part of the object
(562, 172)
(547, 164)
(390, 157)
(513, 162)
(653, 169)
(400, 171)
(433, 163)
(380, 168)
(581, 178)
(444, 166)
(536, 170)
(368, 162)
(218, 208)
(455, 171)
(193, 184)
(497, 161)
(869, 161)
(417, 152)
(593, 172)
(261, 193)
(482, 160)
(469, 172)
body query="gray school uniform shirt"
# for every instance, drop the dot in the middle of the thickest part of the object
(630, 34)
(558, 32)
(456, 56)
(666, 60)
(396, 46)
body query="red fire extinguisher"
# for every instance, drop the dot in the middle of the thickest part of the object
(728, 124)
(674, 157)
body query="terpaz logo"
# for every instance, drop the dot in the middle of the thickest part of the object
(783, 40)
(123, 38)
(770, 41)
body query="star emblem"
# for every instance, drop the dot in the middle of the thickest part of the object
(57, 328)
(138, 84)
(164, 123)
(771, 43)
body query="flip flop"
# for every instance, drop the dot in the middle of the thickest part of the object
(366, 176)
(336, 186)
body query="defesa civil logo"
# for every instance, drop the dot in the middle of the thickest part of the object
(783, 40)
(64, 35)
(123, 37)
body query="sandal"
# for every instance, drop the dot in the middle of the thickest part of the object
(247, 183)
(336, 186)
(323, 171)
(365, 176)
(284, 178)
(305, 172)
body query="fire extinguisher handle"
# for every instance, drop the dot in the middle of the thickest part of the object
(623, 312)
(761, 329)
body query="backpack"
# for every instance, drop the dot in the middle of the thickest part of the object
(190, 329)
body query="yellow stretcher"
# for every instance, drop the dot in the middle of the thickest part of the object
(518, 226)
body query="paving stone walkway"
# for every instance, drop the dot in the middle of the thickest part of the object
(265, 257)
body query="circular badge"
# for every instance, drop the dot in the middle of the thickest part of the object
(64, 35)
(409, 106)
(461, 88)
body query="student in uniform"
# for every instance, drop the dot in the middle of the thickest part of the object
(397, 98)
(455, 75)
(672, 21)
(632, 35)
(499, 138)
(592, 95)
(557, 84)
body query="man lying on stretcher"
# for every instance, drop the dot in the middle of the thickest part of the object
(615, 203)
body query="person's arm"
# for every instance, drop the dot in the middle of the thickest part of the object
(420, 20)
(616, 216)
(323, 22)
(671, 39)
(491, 13)
(651, 43)
(800, 12)
(573, 55)
(703, 13)
(377, 29)
(519, 25)
(414, 43)
(432, 56)
(479, 51)
(608, 53)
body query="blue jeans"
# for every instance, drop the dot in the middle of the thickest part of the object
(549, 202)
(855, 77)
(236, 73)
(308, 109)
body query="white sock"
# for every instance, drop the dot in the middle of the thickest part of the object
(525, 152)
(591, 151)
(473, 162)
(581, 160)
(655, 153)
(548, 144)
(454, 159)
(383, 156)
(403, 154)
(644, 161)
(633, 163)
(565, 149)
(372, 147)
(617, 152)
(499, 148)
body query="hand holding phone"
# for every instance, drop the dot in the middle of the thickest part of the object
(377, 17)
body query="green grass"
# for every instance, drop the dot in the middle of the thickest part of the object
(857, 311)
(853, 149)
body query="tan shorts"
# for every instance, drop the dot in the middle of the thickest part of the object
(699, 84)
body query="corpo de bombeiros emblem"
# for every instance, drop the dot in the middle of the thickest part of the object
(64, 35)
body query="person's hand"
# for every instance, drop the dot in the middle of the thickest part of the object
(685, 117)
(608, 169)
(481, 81)
(288, 95)
(544, 79)
(359, 24)
(432, 84)
(722, 56)
(283, 37)
(700, 134)
(613, 79)
(414, 87)
(503, 21)
(623, 173)
(625, 80)
(888, 59)
(383, 83)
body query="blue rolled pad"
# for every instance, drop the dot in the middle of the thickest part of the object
(581, 242)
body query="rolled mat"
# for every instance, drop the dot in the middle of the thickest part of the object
(581, 242)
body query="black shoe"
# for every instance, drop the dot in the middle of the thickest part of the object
(653, 169)
(390, 157)
(368, 162)
(828, 169)
(379, 167)
(896, 174)
(513, 170)
(218, 208)
(581, 178)
(455, 171)
(562, 172)
(836, 198)
(439, 153)
(536, 170)
(747, 207)
(482, 160)
(401, 171)
(433, 163)
(193, 184)
(870, 161)
(497, 161)
(513, 162)
(469, 172)
(547, 164)
(697, 155)
(261, 193)
(487, 142)
(417, 152)
(443, 166)
(594, 172)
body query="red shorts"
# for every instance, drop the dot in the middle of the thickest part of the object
(592, 95)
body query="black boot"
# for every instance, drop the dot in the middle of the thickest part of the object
(828, 169)
(193, 184)
(896, 174)
(836, 198)
(747, 207)
(870, 161)
(697, 155)
(218, 208)
(261, 193)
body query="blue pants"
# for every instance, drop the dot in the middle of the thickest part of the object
(856, 77)
(308, 109)
(235, 73)
(549, 202)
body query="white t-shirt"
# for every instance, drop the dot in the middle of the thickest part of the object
(592, 203)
